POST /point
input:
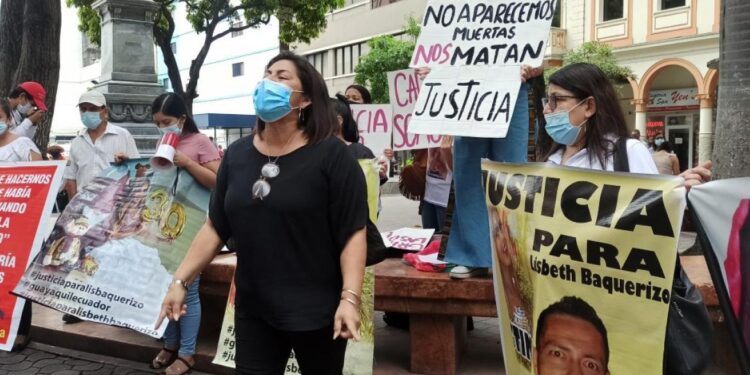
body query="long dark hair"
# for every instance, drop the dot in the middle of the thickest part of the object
(317, 120)
(366, 96)
(171, 104)
(584, 81)
(349, 128)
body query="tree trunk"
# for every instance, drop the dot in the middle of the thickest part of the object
(30, 51)
(731, 155)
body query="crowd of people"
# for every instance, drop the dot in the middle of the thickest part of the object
(291, 199)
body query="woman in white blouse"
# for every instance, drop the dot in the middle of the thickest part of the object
(14, 147)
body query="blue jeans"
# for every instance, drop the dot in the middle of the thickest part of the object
(469, 239)
(184, 333)
(433, 216)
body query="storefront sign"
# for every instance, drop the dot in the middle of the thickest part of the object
(673, 100)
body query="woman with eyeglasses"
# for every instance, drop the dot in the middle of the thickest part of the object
(293, 201)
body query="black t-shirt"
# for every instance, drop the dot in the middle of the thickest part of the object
(289, 244)
(360, 151)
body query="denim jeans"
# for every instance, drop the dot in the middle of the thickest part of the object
(469, 239)
(184, 333)
(433, 216)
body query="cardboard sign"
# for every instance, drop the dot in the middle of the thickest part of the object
(403, 87)
(374, 122)
(411, 239)
(478, 102)
(484, 32)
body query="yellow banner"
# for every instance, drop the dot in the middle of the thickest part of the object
(583, 263)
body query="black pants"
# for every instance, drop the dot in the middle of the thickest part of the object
(264, 350)
(24, 326)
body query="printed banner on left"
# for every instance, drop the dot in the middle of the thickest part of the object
(27, 195)
(112, 252)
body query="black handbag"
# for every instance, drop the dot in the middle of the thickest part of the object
(688, 345)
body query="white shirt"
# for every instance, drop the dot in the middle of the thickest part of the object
(18, 150)
(21, 126)
(639, 159)
(88, 159)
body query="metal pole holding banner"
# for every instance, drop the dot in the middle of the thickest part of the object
(738, 343)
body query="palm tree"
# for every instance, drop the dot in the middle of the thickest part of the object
(732, 143)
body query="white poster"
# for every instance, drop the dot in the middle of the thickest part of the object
(403, 87)
(375, 127)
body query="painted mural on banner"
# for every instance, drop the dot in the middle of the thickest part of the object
(375, 123)
(723, 211)
(27, 195)
(403, 88)
(112, 252)
(578, 255)
(475, 49)
(360, 355)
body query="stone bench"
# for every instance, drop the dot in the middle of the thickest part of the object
(438, 307)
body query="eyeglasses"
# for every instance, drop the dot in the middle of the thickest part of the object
(262, 187)
(551, 100)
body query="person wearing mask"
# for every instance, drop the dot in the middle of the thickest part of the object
(196, 154)
(293, 201)
(358, 94)
(15, 148)
(665, 159)
(348, 131)
(27, 103)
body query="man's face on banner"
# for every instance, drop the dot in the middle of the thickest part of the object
(570, 345)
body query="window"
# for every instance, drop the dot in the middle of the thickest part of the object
(236, 25)
(166, 84)
(238, 69)
(558, 14)
(612, 9)
(318, 61)
(174, 47)
(669, 4)
(346, 59)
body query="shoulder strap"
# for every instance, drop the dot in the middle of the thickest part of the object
(621, 155)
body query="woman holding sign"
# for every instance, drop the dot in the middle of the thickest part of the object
(293, 202)
(198, 156)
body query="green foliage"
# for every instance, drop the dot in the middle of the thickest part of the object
(599, 54)
(387, 54)
(88, 19)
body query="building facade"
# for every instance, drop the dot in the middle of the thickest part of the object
(667, 44)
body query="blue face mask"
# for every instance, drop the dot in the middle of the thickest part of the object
(272, 100)
(91, 120)
(3, 127)
(23, 109)
(171, 129)
(560, 129)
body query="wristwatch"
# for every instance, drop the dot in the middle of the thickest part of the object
(181, 283)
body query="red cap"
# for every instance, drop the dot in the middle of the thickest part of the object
(37, 92)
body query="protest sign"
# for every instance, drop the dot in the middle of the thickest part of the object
(411, 239)
(578, 256)
(722, 212)
(112, 252)
(482, 32)
(403, 89)
(360, 355)
(375, 125)
(479, 102)
(27, 195)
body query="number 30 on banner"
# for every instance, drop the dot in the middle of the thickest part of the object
(172, 221)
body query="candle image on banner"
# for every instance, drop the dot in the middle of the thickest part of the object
(27, 194)
(164, 157)
(403, 89)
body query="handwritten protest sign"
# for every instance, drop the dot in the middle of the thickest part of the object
(27, 195)
(112, 252)
(578, 256)
(477, 103)
(403, 87)
(722, 209)
(360, 355)
(481, 32)
(375, 125)
(411, 239)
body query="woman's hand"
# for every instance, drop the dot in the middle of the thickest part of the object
(383, 168)
(173, 306)
(181, 160)
(423, 72)
(527, 72)
(698, 175)
(346, 321)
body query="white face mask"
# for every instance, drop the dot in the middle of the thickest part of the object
(23, 108)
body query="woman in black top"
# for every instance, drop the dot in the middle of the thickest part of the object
(293, 201)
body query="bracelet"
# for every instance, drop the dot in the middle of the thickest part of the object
(351, 292)
(181, 283)
(353, 302)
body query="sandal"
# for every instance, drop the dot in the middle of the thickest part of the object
(188, 369)
(157, 364)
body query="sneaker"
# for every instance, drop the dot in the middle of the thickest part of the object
(463, 272)
(70, 319)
